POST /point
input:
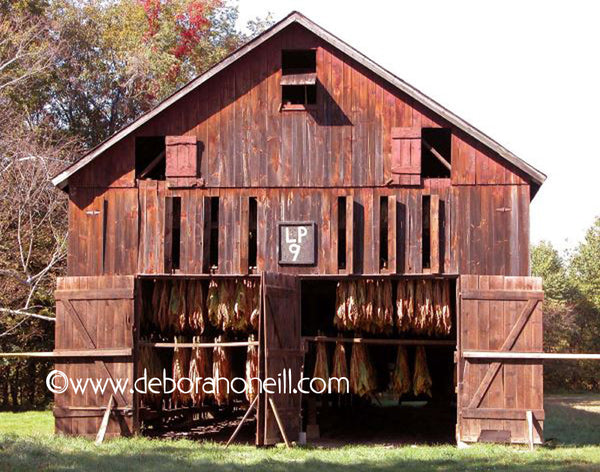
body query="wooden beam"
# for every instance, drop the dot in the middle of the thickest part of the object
(528, 355)
(105, 419)
(499, 413)
(529, 417)
(349, 234)
(152, 165)
(239, 426)
(199, 345)
(505, 295)
(279, 423)
(382, 342)
(437, 154)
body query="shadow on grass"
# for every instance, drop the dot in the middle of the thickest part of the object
(569, 425)
(28, 454)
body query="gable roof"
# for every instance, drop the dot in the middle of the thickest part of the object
(537, 177)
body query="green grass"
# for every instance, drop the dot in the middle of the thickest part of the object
(27, 443)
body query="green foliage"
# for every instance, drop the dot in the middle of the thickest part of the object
(571, 310)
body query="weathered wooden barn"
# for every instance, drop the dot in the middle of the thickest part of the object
(297, 133)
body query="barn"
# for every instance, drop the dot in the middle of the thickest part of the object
(357, 223)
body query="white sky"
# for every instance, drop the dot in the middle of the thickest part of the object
(527, 73)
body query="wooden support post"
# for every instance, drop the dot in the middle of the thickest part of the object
(105, 420)
(279, 423)
(239, 426)
(530, 428)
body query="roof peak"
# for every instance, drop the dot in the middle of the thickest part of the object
(537, 177)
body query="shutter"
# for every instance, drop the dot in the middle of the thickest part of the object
(94, 323)
(282, 346)
(499, 314)
(181, 160)
(406, 156)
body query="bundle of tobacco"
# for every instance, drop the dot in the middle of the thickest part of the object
(151, 363)
(404, 305)
(199, 371)
(321, 367)
(212, 304)
(181, 367)
(242, 308)
(177, 313)
(251, 370)
(424, 317)
(162, 292)
(254, 287)
(340, 369)
(446, 316)
(362, 375)
(369, 312)
(386, 307)
(195, 306)
(226, 304)
(361, 297)
(340, 319)
(401, 382)
(221, 369)
(422, 379)
(351, 304)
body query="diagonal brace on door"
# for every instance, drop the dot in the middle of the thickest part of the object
(508, 344)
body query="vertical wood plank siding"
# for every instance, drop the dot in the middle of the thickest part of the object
(483, 228)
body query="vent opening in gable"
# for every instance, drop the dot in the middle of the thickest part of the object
(436, 152)
(150, 162)
(298, 78)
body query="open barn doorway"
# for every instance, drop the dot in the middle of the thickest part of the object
(398, 340)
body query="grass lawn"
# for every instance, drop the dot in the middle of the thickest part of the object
(27, 443)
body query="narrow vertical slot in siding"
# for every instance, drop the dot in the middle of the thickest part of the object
(426, 233)
(176, 234)
(252, 233)
(341, 234)
(214, 234)
(104, 225)
(383, 233)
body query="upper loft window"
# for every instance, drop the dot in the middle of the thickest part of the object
(150, 160)
(436, 152)
(298, 79)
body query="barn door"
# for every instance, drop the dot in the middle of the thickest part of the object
(94, 331)
(499, 314)
(283, 354)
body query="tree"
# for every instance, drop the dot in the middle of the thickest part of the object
(126, 55)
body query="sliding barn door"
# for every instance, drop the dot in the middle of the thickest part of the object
(94, 331)
(498, 315)
(283, 355)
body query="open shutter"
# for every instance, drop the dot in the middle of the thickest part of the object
(283, 354)
(499, 314)
(182, 167)
(406, 156)
(94, 331)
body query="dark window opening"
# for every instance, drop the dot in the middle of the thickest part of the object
(298, 61)
(298, 68)
(436, 147)
(252, 232)
(383, 233)
(150, 162)
(341, 236)
(298, 95)
(214, 233)
(426, 232)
